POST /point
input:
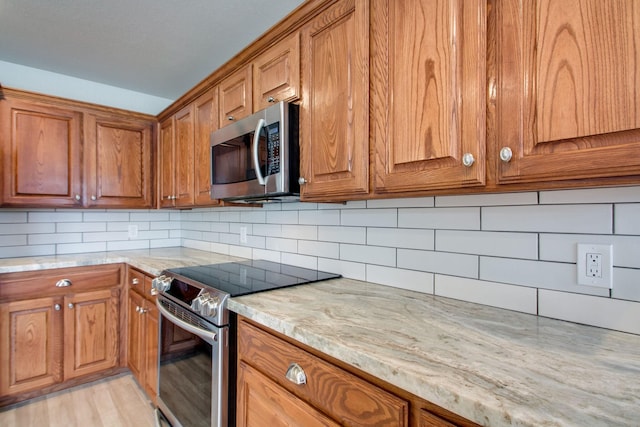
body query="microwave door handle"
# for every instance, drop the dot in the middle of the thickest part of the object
(256, 141)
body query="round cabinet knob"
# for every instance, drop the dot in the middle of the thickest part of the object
(135, 281)
(57, 307)
(77, 197)
(70, 305)
(230, 118)
(143, 310)
(63, 283)
(271, 100)
(302, 181)
(137, 309)
(468, 159)
(506, 154)
(94, 198)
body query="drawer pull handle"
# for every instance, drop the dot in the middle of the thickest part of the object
(135, 281)
(296, 374)
(63, 283)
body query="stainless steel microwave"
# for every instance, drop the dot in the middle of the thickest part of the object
(257, 158)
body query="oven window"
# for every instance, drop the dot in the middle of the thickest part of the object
(185, 378)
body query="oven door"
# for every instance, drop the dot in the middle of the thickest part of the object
(193, 368)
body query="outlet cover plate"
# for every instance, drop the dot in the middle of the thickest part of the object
(606, 264)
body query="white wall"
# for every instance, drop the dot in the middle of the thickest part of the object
(35, 80)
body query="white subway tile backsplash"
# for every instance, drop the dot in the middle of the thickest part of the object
(266, 255)
(303, 261)
(398, 278)
(192, 235)
(210, 237)
(307, 232)
(219, 227)
(441, 218)
(240, 251)
(501, 244)
(105, 237)
(439, 262)
(587, 219)
(230, 238)
(356, 235)
(152, 234)
(81, 227)
(68, 216)
(324, 217)
(539, 274)
(415, 202)
(370, 217)
(255, 242)
(500, 199)
(510, 297)
(254, 216)
(16, 239)
(200, 245)
(627, 219)
(11, 217)
(77, 248)
(591, 195)
(408, 238)
(282, 217)
(105, 216)
(368, 254)
(127, 245)
(32, 250)
(44, 239)
(230, 216)
(164, 243)
(563, 247)
(27, 228)
(626, 284)
(590, 310)
(352, 270)
(281, 245)
(319, 249)
(149, 216)
(269, 230)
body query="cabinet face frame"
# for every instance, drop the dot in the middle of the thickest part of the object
(548, 61)
(165, 167)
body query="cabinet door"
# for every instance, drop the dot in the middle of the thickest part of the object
(42, 155)
(118, 162)
(166, 167)
(428, 102)
(91, 324)
(262, 402)
(30, 345)
(206, 121)
(183, 157)
(334, 118)
(276, 73)
(151, 335)
(135, 337)
(236, 96)
(568, 86)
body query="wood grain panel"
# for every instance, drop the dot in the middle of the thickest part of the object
(30, 345)
(276, 73)
(206, 121)
(236, 96)
(428, 102)
(427, 419)
(350, 400)
(91, 332)
(166, 168)
(151, 350)
(334, 116)
(568, 89)
(184, 157)
(261, 402)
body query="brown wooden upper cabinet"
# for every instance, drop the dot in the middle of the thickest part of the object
(184, 159)
(334, 116)
(42, 148)
(428, 100)
(48, 161)
(236, 96)
(276, 73)
(567, 89)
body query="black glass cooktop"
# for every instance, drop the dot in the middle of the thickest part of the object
(247, 277)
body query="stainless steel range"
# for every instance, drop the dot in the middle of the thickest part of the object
(196, 380)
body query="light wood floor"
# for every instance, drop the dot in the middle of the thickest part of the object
(113, 402)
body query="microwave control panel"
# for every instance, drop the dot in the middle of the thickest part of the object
(273, 148)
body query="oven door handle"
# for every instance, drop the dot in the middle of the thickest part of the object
(202, 333)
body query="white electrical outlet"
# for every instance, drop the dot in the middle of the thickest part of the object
(243, 235)
(595, 265)
(133, 231)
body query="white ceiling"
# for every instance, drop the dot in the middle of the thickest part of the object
(156, 47)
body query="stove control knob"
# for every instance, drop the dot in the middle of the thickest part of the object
(161, 283)
(198, 302)
(210, 307)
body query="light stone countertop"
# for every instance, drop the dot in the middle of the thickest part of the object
(492, 366)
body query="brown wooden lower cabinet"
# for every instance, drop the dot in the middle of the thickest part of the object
(333, 394)
(58, 328)
(142, 337)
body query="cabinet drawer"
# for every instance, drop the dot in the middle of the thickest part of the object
(349, 399)
(135, 280)
(14, 286)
